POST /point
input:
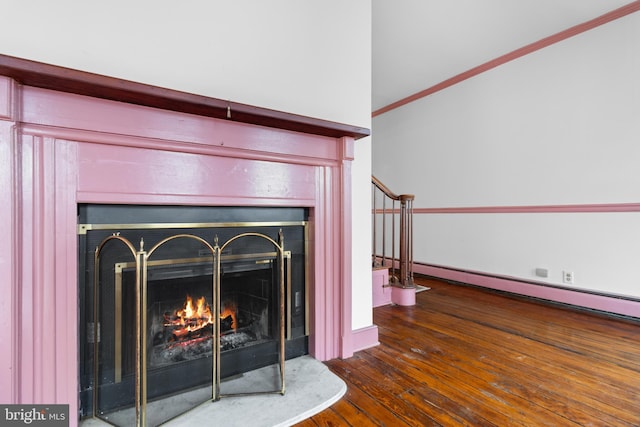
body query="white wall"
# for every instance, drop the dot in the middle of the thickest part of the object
(310, 58)
(559, 126)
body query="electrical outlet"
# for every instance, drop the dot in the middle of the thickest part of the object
(568, 277)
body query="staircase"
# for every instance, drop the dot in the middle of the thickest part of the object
(392, 257)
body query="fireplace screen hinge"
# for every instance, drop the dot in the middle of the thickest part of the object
(91, 333)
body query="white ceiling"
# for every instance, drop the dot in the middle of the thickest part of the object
(419, 43)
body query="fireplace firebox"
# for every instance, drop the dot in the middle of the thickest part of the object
(170, 309)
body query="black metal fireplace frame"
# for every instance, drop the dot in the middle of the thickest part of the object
(293, 219)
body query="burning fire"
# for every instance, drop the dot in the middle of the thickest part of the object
(196, 316)
(229, 312)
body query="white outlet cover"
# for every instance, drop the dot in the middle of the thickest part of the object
(568, 277)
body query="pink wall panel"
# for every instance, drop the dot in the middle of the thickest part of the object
(8, 245)
(114, 169)
(7, 95)
(48, 107)
(44, 308)
(381, 289)
(7, 307)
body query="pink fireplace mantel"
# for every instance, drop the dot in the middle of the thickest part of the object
(58, 149)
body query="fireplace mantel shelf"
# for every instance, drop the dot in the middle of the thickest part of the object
(62, 79)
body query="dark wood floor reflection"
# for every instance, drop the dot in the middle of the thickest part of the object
(467, 356)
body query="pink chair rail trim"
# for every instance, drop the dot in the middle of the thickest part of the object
(575, 208)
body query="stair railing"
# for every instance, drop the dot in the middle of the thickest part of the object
(400, 232)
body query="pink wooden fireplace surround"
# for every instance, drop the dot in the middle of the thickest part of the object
(58, 149)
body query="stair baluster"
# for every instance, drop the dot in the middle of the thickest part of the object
(401, 268)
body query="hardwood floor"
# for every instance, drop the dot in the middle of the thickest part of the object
(466, 356)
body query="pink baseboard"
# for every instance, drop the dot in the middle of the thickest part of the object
(610, 304)
(365, 338)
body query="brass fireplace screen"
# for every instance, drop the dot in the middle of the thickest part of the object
(212, 256)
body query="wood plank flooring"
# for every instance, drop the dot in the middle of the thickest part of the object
(464, 356)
